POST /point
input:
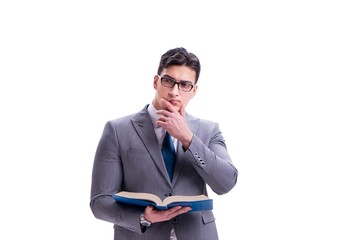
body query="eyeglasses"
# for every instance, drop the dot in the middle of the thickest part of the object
(185, 86)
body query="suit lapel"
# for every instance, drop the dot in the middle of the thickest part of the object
(143, 126)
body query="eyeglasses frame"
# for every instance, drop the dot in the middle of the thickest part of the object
(175, 82)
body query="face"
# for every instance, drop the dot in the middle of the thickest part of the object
(175, 96)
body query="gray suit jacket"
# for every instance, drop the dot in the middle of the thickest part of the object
(128, 158)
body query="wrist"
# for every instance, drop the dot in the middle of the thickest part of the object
(144, 223)
(187, 140)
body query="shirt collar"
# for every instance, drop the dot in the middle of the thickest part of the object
(153, 115)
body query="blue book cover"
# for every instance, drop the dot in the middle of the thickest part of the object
(197, 203)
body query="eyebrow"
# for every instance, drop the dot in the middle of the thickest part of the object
(166, 75)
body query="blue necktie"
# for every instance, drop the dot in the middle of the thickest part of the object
(168, 152)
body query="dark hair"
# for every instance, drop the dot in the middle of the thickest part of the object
(180, 57)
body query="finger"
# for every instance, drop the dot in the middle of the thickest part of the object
(179, 211)
(183, 210)
(171, 211)
(168, 105)
(174, 209)
(148, 209)
(163, 118)
(164, 113)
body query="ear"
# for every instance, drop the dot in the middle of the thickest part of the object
(155, 80)
(194, 90)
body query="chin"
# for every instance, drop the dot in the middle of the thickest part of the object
(177, 108)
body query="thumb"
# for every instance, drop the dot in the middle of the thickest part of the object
(183, 111)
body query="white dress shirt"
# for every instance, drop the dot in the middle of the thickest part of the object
(160, 132)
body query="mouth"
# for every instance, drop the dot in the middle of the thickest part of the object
(174, 102)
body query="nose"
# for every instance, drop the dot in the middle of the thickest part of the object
(174, 91)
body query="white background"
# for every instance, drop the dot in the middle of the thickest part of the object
(272, 76)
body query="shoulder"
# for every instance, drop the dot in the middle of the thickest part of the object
(201, 122)
(203, 128)
(120, 120)
(125, 120)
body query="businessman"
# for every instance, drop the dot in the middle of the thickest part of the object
(165, 151)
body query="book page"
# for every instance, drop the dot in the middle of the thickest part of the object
(176, 198)
(142, 196)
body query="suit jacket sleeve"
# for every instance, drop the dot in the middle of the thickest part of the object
(107, 179)
(210, 158)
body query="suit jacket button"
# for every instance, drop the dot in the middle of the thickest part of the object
(174, 220)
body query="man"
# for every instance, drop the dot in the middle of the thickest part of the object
(129, 158)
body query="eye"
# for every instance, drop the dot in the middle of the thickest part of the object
(185, 84)
(168, 80)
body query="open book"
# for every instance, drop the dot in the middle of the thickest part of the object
(197, 203)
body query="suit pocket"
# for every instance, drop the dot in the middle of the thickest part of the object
(207, 217)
